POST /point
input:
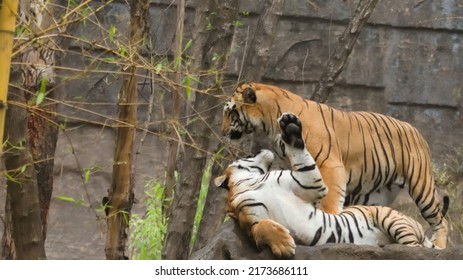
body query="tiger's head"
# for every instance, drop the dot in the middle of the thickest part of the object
(245, 168)
(240, 114)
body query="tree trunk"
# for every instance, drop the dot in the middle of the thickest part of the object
(343, 49)
(174, 136)
(259, 49)
(23, 237)
(8, 248)
(217, 42)
(43, 131)
(256, 58)
(120, 196)
(38, 68)
(22, 191)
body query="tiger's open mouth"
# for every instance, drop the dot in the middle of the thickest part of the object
(233, 127)
(238, 130)
(234, 124)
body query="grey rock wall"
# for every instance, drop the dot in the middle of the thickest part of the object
(407, 62)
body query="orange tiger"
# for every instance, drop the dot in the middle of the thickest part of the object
(278, 207)
(364, 157)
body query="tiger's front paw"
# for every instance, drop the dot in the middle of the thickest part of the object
(276, 236)
(291, 130)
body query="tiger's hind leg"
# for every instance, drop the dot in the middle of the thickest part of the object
(441, 234)
(426, 197)
(276, 236)
(441, 230)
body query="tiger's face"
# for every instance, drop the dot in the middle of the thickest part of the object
(257, 165)
(239, 113)
(232, 123)
(244, 168)
(241, 173)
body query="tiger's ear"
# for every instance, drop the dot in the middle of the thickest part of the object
(249, 96)
(221, 182)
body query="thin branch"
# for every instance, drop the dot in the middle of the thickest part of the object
(343, 49)
(82, 175)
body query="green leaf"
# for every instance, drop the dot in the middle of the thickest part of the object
(237, 23)
(158, 68)
(40, 98)
(23, 169)
(187, 81)
(178, 62)
(10, 178)
(122, 52)
(20, 30)
(65, 198)
(209, 26)
(112, 32)
(85, 13)
(109, 59)
(218, 154)
(41, 93)
(188, 87)
(215, 57)
(187, 46)
(87, 176)
(72, 3)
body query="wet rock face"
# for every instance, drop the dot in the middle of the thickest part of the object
(230, 243)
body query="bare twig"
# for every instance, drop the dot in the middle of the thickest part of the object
(343, 49)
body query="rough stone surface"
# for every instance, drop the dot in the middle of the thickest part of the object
(406, 63)
(230, 243)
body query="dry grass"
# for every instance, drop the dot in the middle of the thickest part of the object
(449, 178)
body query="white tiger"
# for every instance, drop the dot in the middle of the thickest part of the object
(279, 207)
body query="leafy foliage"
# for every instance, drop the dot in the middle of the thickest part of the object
(148, 232)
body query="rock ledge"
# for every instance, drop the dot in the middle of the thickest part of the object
(230, 243)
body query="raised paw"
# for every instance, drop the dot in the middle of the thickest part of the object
(291, 130)
(276, 236)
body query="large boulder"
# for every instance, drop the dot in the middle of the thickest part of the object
(230, 243)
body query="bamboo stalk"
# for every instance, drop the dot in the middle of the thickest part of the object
(8, 11)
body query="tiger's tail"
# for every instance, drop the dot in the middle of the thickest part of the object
(445, 206)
